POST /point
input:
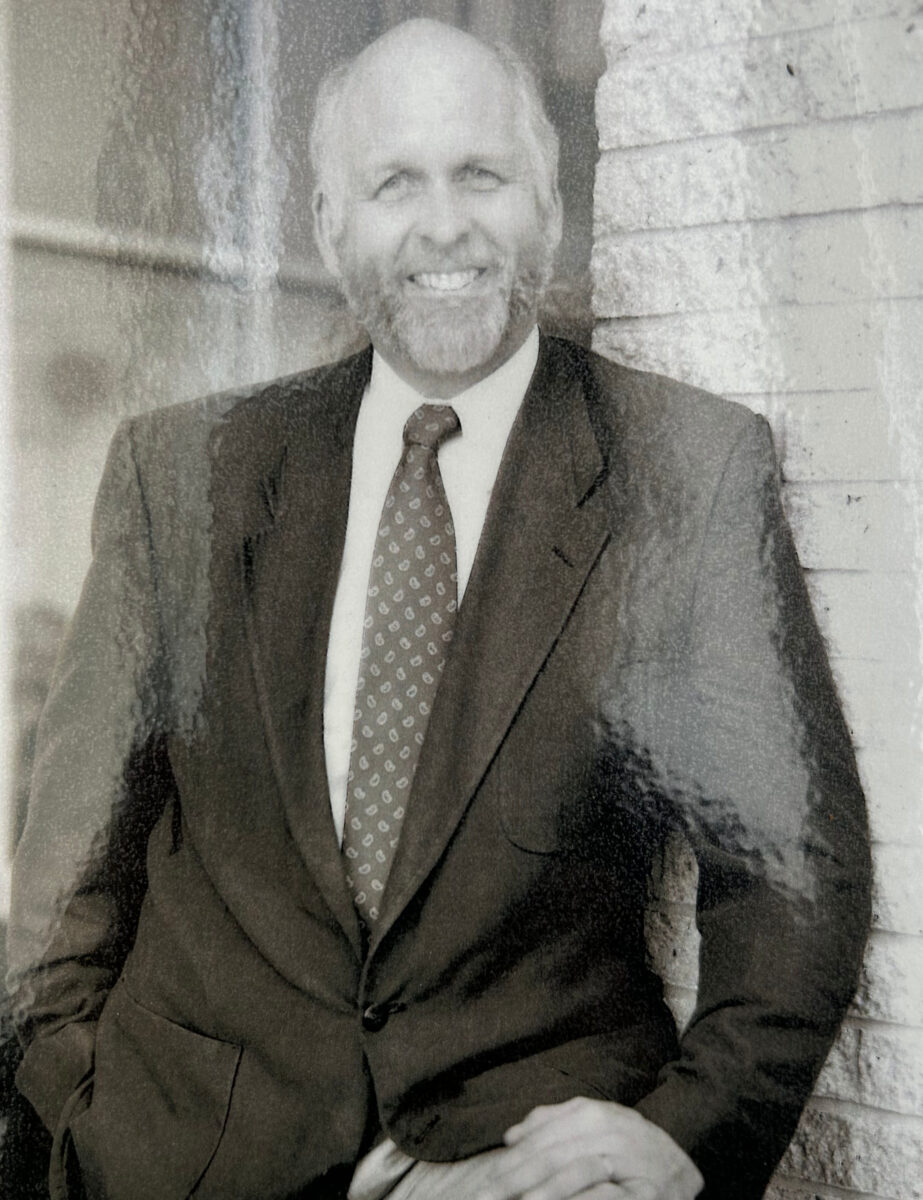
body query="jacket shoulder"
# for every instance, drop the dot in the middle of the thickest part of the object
(201, 467)
(656, 403)
(203, 422)
(656, 424)
(666, 446)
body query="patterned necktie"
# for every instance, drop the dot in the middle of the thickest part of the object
(409, 622)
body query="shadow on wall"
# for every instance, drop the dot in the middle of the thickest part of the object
(566, 310)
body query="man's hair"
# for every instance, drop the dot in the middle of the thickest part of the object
(538, 132)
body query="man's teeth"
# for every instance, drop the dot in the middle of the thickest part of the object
(448, 281)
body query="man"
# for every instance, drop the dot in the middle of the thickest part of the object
(387, 683)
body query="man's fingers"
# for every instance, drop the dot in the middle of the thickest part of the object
(543, 1115)
(567, 1119)
(555, 1175)
(561, 1151)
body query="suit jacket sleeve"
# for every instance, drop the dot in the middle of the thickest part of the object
(79, 869)
(751, 749)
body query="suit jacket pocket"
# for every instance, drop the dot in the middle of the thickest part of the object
(539, 789)
(161, 1095)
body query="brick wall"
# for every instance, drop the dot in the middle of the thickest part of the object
(759, 232)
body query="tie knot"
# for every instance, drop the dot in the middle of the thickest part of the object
(430, 425)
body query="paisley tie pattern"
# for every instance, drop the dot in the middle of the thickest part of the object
(409, 622)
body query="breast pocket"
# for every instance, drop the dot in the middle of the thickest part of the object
(540, 787)
(575, 759)
(161, 1094)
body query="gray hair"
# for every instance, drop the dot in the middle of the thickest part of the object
(539, 134)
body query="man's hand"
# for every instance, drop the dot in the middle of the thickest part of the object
(592, 1149)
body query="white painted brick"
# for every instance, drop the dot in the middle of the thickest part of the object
(831, 259)
(675, 882)
(881, 703)
(879, 1066)
(856, 527)
(681, 1002)
(673, 944)
(757, 175)
(664, 27)
(891, 983)
(893, 784)
(858, 1149)
(897, 901)
(867, 615)
(843, 71)
(830, 436)
(708, 128)
(901, 372)
(783, 348)
(781, 1188)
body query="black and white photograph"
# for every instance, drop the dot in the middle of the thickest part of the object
(461, 621)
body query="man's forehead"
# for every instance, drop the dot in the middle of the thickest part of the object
(424, 63)
(437, 134)
(456, 104)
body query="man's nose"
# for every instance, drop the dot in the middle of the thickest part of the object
(444, 217)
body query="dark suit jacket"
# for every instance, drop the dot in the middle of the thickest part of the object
(635, 653)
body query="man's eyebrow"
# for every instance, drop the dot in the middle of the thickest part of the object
(377, 171)
(488, 158)
(505, 159)
(383, 166)
(510, 163)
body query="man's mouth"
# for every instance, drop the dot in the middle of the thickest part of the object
(447, 281)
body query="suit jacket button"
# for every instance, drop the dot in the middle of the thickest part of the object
(375, 1018)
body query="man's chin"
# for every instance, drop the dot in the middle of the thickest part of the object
(454, 339)
(457, 337)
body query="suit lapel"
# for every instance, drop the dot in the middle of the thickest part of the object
(289, 563)
(544, 531)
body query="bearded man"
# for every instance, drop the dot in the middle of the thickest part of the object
(387, 683)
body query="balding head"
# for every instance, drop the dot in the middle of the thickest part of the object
(420, 56)
(436, 205)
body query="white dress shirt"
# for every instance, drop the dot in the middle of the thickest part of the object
(469, 463)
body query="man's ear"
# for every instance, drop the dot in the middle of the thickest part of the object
(555, 216)
(324, 232)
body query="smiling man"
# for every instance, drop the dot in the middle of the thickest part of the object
(388, 682)
(437, 205)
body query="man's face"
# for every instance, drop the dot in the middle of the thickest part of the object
(437, 236)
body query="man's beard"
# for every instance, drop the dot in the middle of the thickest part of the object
(443, 337)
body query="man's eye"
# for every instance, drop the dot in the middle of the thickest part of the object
(481, 178)
(395, 185)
